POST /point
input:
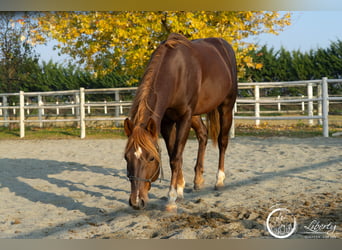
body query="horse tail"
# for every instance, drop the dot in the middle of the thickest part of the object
(213, 125)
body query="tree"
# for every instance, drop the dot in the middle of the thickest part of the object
(17, 58)
(51, 76)
(335, 51)
(124, 41)
(283, 65)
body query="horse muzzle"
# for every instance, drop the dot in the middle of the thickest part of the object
(137, 202)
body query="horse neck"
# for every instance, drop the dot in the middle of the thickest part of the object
(151, 102)
(148, 108)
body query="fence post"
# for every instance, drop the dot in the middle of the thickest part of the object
(279, 104)
(121, 108)
(257, 104)
(232, 128)
(27, 109)
(319, 106)
(57, 109)
(40, 111)
(77, 109)
(5, 111)
(82, 113)
(325, 107)
(105, 107)
(303, 105)
(88, 108)
(77, 100)
(14, 112)
(117, 108)
(22, 114)
(310, 103)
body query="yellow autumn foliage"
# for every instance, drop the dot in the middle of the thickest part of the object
(124, 41)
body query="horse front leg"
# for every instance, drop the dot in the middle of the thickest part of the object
(176, 161)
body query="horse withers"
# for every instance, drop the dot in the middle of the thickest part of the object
(183, 80)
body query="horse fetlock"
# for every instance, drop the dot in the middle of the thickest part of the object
(199, 186)
(171, 205)
(180, 193)
(180, 189)
(172, 195)
(198, 183)
(220, 179)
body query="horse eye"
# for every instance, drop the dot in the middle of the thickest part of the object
(152, 159)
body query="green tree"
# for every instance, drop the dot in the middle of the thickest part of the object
(17, 57)
(335, 52)
(53, 76)
(283, 65)
(268, 59)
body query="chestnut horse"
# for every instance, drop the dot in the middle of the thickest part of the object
(183, 80)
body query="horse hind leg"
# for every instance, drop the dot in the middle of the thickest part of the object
(202, 137)
(226, 118)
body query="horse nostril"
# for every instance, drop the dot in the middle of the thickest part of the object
(142, 204)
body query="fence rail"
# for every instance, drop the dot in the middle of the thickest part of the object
(80, 110)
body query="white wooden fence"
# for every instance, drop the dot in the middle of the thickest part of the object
(81, 109)
(322, 99)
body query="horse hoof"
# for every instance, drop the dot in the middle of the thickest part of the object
(171, 208)
(198, 187)
(219, 187)
(180, 199)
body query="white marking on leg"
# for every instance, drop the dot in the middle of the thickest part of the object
(172, 206)
(138, 153)
(180, 189)
(172, 195)
(220, 178)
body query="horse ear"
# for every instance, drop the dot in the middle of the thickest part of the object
(128, 125)
(152, 128)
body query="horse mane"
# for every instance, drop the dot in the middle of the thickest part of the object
(175, 39)
(140, 104)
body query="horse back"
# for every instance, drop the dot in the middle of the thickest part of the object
(217, 51)
(219, 75)
(197, 74)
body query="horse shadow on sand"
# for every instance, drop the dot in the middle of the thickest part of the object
(17, 175)
(14, 171)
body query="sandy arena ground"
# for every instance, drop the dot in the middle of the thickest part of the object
(78, 189)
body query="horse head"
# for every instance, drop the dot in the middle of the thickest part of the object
(143, 160)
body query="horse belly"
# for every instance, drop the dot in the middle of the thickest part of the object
(207, 104)
(211, 95)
